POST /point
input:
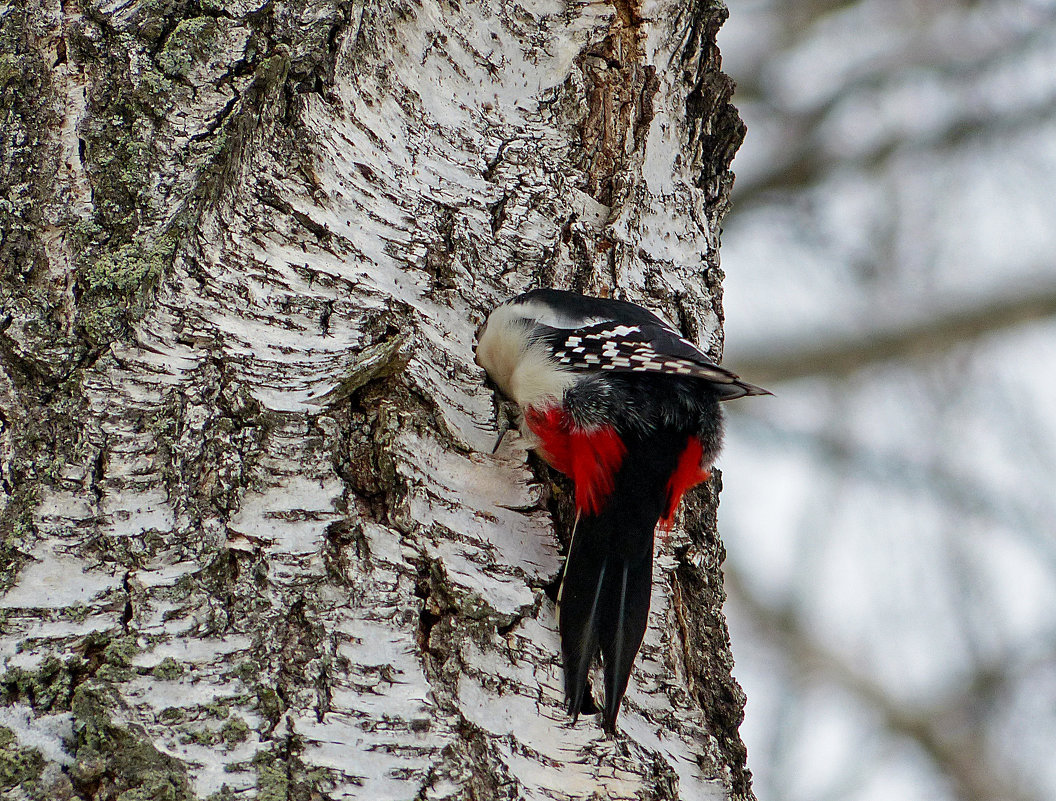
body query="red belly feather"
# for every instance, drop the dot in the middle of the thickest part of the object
(687, 475)
(589, 456)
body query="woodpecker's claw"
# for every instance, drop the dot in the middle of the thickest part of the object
(504, 421)
(502, 433)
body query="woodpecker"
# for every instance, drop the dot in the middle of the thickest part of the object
(616, 399)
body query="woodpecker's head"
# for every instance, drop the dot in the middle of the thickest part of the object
(521, 366)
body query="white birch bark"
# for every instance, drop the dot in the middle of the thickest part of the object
(255, 542)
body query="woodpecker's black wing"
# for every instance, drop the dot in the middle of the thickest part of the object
(641, 348)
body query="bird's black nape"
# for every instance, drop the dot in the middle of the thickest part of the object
(581, 307)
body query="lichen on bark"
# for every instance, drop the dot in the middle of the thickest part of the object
(19, 767)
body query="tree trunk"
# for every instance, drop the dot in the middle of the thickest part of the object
(254, 540)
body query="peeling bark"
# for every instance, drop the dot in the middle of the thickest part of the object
(254, 540)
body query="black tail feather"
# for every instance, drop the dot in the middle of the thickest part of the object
(623, 628)
(603, 606)
(579, 602)
(603, 603)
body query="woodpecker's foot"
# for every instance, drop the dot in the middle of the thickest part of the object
(505, 419)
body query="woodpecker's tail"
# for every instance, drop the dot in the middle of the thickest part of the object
(603, 605)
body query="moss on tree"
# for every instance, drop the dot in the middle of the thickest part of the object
(19, 767)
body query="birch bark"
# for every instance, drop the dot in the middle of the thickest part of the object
(254, 541)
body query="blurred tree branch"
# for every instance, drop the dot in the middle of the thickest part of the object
(966, 495)
(805, 158)
(891, 141)
(928, 336)
(949, 731)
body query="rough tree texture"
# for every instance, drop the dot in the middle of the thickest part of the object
(254, 542)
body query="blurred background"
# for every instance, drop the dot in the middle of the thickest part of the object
(890, 516)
